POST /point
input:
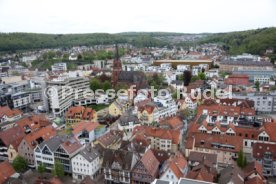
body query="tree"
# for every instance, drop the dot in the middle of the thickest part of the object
(241, 161)
(107, 85)
(201, 76)
(20, 164)
(95, 84)
(257, 85)
(187, 75)
(41, 168)
(79, 57)
(58, 170)
(195, 78)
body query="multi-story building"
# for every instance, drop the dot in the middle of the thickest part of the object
(59, 67)
(77, 114)
(263, 102)
(86, 163)
(85, 132)
(63, 92)
(158, 138)
(146, 169)
(265, 153)
(117, 165)
(57, 149)
(127, 122)
(29, 142)
(21, 100)
(229, 66)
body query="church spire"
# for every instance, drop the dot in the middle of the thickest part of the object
(116, 52)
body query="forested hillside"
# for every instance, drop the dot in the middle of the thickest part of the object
(251, 41)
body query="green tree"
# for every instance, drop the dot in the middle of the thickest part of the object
(107, 85)
(20, 164)
(201, 76)
(241, 161)
(257, 85)
(58, 170)
(195, 78)
(95, 84)
(41, 168)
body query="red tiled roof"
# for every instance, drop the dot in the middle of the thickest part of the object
(34, 122)
(174, 122)
(150, 163)
(12, 136)
(71, 145)
(88, 126)
(203, 140)
(173, 135)
(253, 168)
(6, 170)
(5, 110)
(45, 133)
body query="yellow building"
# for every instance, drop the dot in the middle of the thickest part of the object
(80, 113)
(118, 107)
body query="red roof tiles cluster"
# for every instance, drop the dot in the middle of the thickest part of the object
(33, 122)
(146, 131)
(6, 170)
(84, 113)
(5, 110)
(88, 126)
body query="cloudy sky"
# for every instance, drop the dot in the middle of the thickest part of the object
(113, 16)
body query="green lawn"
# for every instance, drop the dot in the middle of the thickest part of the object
(98, 107)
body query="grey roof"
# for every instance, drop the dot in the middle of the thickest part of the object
(191, 181)
(177, 82)
(128, 117)
(246, 63)
(53, 143)
(198, 157)
(122, 157)
(231, 173)
(162, 182)
(89, 153)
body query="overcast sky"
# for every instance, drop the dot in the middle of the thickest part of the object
(113, 16)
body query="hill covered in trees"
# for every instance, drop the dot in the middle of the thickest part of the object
(251, 41)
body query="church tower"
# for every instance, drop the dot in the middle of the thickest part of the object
(117, 67)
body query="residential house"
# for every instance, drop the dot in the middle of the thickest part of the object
(204, 172)
(32, 123)
(8, 115)
(265, 154)
(58, 148)
(195, 158)
(84, 131)
(231, 174)
(161, 139)
(225, 146)
(86, 163)
(127, 122)
(9, 142)
(174, 168)
(111, 139)
(117, 165)
(253, 173)
(29, 142)
(146, 169)
(173, 123)
(79, 113)
(118, 107)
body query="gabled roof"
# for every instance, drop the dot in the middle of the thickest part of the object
(39, 136)
(173, 135)
(81, 126)
(123, 158)
(151, 164)
(89, 153)
(12, 136)
(5, 110)
(253, 168)
(33, 122)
